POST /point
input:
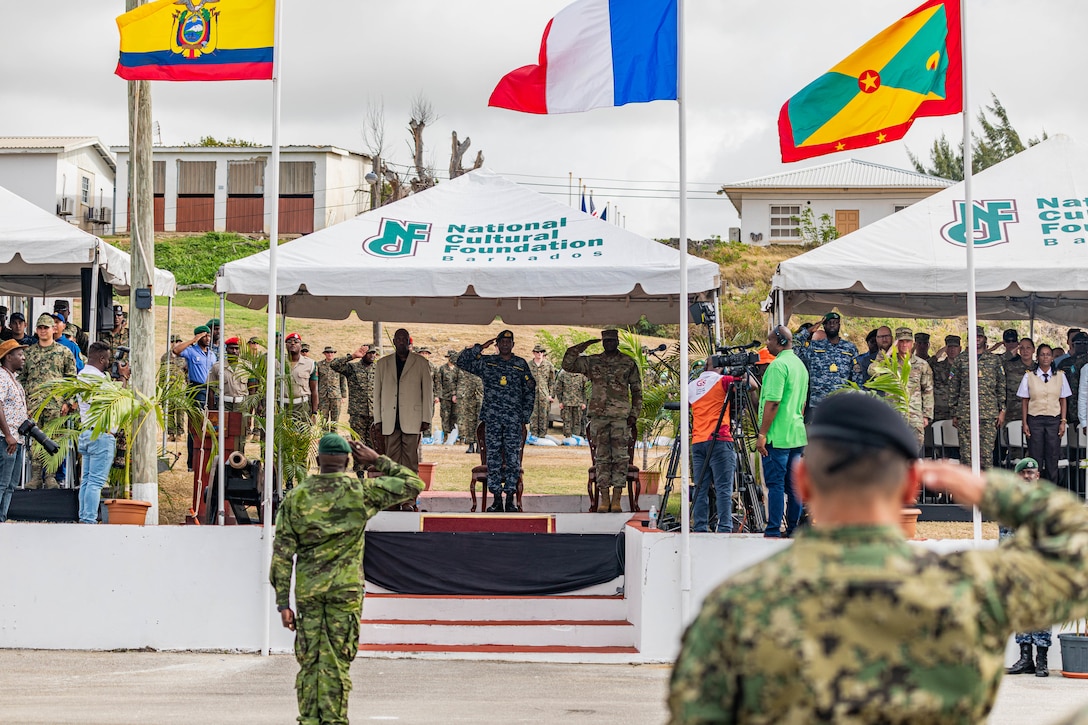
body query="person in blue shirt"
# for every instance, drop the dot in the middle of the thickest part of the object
(63, 339)
(199, 356)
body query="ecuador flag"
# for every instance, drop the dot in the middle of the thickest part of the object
(911, 69)
(197, 40)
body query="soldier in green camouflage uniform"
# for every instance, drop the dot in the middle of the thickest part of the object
(332, 387)
(322, 522)
(446, 380)
(570, 391)
(358, 369)
(941, 365)
(613, 409)
(45, 362)
(850, 623)
(544, 373)
(991, 400)
(470, 396)
(118, 336)
(1015, 367)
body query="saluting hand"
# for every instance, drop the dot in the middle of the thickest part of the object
(487, 344)
(360, 351)
(362, 453)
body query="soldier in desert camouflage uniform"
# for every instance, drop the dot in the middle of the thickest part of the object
(470, 396)
(613, 409)
(850, 624)
(991, 400)
(358, 369)
(446, 379)
(544, 373)
(919, 384)
(322, 521)
(571, 392)
(46, 361)
(332, 387)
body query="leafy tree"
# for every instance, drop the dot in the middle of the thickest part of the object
(229, 141)
(997, 141)
(816, 232)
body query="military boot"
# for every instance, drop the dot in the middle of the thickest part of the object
(1024, 665)
(1041, 666)
(496, 506)
(512, 503)
(604, 501)
(617, 499)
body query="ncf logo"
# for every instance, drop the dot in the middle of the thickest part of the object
(397, 238)
(991, 218)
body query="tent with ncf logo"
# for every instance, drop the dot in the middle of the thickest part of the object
(470, 250)
(1031, 250)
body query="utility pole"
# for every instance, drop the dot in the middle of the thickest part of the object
(145, 474)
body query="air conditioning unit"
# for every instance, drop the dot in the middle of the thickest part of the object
(64, 207)
(105, 214)
(734, 234)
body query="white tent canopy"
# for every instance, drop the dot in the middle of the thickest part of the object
(469, 250)
(41, 255)
(1031, 249)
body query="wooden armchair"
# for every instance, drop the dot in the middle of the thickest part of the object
(479, 473)
(634, 483)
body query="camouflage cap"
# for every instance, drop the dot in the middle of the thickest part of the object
(610, 334)
(254, 341)
(45, 320)
(980, 332)
(539, 348)
(451, 354)
(860, 419)
(921, 337)
(329, 348)
(60, 304)
(332, 444)
(953, 340)
(1010, 335)
(903, 333)
(175, 338)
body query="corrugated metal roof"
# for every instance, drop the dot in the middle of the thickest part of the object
(849, 174)
(56, 144)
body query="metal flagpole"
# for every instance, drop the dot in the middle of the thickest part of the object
(969, 239)
(270, 357)
(169, 365)
(92, 318)
(685, 444)
(221, 469)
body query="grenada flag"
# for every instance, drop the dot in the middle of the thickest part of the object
(914, 68)
(198, 40)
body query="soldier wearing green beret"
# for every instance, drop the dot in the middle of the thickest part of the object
(320, 525)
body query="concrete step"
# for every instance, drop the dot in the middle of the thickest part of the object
(516, 633)
(405, 607)
(512, 653)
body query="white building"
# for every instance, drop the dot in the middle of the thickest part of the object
(212, 188)
(852, 193)
(71, 176)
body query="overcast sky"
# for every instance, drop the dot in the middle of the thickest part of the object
(745, 58)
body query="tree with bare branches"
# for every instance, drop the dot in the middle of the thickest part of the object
(458, 152)
(423, 113)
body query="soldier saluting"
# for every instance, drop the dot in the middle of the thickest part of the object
(614, 406)
(509, 395)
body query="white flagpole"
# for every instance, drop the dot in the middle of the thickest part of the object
(969, 238)
(271, 358)
(685, 446)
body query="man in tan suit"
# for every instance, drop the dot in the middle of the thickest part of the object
(403, 400)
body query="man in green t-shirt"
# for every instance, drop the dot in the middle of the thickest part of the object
(782, 430)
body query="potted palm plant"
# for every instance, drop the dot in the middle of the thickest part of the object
(113, 406)
(1075, 650)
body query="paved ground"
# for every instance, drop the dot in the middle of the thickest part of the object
(153, 688)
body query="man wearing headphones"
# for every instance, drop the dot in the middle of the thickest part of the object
(782, 436)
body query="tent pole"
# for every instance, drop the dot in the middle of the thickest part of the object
(717, 320)
(169, 365)
(969, 240)
(221, 470)
(92, 318)
(685, 443)
(268, 530)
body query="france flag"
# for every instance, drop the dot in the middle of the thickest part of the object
(598, 53)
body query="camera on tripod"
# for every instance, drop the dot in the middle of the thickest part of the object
(29, 428)
(118, 355)
(736, 358)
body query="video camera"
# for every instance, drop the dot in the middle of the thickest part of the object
(735, 358)
(118, 355)
(29, 428)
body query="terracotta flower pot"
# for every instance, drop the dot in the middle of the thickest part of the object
(908, 521)
(426, 472)
(650, 481)
(126, 511)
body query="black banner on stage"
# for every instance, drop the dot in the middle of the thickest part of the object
(491, 564)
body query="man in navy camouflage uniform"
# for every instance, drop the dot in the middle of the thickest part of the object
(831, 362)
(509, 396)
